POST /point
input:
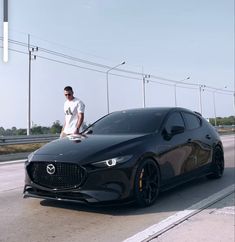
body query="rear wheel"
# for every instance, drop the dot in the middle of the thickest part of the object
(147, 183)
(217, 164)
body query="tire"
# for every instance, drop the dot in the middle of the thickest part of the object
(147, 183)
(217, 166)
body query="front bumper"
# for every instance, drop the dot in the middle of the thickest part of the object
(102, 185)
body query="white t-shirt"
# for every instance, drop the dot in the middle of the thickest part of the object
(71, 110)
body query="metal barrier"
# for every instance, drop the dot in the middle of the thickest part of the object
(27, 139)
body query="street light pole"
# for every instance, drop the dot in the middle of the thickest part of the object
(234, 100)
(107, 83)
(175, 95)
(175, 89)
(214, 108)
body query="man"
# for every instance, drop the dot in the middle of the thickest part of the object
(74, 113)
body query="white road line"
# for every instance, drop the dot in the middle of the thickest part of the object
(170, 222)
(12, 162)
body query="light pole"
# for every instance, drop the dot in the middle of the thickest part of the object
(30, 50)
(107, 82)
(5, 31)
(234, 100)
(144, 82)
(175, 89)
(214, 108)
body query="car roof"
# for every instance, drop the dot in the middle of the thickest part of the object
(158, 109)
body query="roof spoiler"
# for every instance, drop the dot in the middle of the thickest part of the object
(198, 113)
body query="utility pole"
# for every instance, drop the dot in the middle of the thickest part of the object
(30, 50)
(144, 92)
(201, 88)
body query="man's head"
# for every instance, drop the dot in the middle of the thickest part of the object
(68, 92)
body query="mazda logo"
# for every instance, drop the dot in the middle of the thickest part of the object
(50, 169)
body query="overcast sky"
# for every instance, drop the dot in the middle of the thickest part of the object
(169, 39)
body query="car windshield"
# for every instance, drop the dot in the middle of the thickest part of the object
(128, 122)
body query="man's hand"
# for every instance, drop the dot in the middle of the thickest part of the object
(62, 135)
(76, 132)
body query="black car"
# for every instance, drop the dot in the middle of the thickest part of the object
(127, 155)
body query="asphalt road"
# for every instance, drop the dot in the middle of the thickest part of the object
(32, 220)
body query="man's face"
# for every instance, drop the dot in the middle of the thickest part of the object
(68, 95)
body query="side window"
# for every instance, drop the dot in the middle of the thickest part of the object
(175, 119)
(192, 121)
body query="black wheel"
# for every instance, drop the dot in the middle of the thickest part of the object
(147, 183)
(217, 166)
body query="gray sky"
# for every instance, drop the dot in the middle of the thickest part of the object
(170, 39)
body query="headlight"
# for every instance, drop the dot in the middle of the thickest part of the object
(30, 156)
(112, 162)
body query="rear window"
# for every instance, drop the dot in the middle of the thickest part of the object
(128, 122)
(192, 121)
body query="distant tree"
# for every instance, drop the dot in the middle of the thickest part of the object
(36, 130)
(14, 130)
(8, 132)
(2, 131)
(45, 130)
(223, 121)
(21, 132)
(56, 127)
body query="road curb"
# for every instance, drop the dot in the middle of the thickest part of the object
(172, 221)
(16, 156)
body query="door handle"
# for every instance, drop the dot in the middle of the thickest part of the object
(208, 136)
(189, 140)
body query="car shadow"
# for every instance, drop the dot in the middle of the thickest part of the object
(176, 199)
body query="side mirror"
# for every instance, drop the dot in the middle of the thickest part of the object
(177, 130)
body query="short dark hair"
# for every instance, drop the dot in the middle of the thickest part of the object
(68, 89)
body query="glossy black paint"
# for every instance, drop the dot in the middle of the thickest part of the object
(181, 149)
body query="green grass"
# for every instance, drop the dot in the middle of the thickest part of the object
(11, 149)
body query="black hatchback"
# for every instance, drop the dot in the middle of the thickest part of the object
(128, 155)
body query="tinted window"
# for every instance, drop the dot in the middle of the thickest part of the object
(175, 119)
(128, 122)
(193, 122)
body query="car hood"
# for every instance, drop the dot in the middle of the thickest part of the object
(87, 148)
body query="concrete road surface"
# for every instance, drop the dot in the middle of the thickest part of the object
(32, 220)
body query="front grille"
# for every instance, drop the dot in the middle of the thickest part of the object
(64, 176)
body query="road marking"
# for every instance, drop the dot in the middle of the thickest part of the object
(172, 221)
(12, 162)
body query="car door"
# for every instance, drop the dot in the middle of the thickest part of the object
(176, 153)
(198, 138)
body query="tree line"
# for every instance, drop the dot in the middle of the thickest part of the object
(36, 129)
(56, 127)
(223, 121)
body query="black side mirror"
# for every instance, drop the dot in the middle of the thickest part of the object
(177, 130)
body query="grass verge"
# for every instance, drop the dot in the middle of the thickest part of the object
(19, 148)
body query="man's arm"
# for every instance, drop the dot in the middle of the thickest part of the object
(62, 130)
(79, 123)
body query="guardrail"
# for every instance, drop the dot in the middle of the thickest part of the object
(27, 139)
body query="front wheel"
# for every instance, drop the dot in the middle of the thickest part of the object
(217, 167)
(147, 183)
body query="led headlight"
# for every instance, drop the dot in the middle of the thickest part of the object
(30, 156)
(112, 162)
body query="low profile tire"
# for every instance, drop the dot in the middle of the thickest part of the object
(147, 183)
(217, 166)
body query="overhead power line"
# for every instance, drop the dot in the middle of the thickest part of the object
(74, 65)
(99, 65)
